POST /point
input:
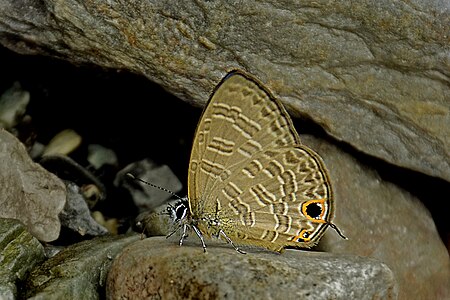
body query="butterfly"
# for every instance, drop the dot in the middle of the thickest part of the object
(250, 179)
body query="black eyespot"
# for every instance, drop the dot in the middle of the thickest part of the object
(314, 210)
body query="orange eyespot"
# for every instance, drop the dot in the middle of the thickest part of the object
(315, 210)
(303, 237)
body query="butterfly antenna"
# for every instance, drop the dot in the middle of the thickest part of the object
(153, 185)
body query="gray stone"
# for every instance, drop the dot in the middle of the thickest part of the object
(77, 272)
(147, 197)
(76, 215)
(156, 221)
(30, 193)
(19, 253)
(13, 104)
(99, 156)
(157, 268)
(68, 169)
(374, 74)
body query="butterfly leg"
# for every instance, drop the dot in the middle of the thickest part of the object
(173, 231)
(184, 234)
(139, 224)
(230, 241)
(200, 236)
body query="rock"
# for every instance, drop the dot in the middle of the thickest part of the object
(77, 272)
(19, 253)
(159, 268)
(76, 215)
(68, 169)
(380, 65)
(13, 104)
(111, 224)
(29, 192)
(99, 156)
(384, 222)
(144, 196)
(63, 143)
(157, 221)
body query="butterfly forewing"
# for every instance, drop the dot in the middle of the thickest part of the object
(241, 119)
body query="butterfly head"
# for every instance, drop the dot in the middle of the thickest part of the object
(179, 211)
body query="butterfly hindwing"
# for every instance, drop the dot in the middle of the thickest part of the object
(288, 194)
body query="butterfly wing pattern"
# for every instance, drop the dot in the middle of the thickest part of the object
(249, 175)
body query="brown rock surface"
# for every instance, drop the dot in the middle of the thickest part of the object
(157, 268)
(373, 74)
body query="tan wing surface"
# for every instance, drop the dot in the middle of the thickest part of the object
(240, 120)
(279, 196)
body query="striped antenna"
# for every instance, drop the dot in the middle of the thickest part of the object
(153, 185)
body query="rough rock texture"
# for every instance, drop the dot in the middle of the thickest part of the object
(29, 193)
(19, 253)
(374, 74)
(76, 215)
(77, 272)
(385, 222)
(159, 269)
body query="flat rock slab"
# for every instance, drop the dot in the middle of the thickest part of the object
(160, 268)
(29, 193)
(374, 74)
